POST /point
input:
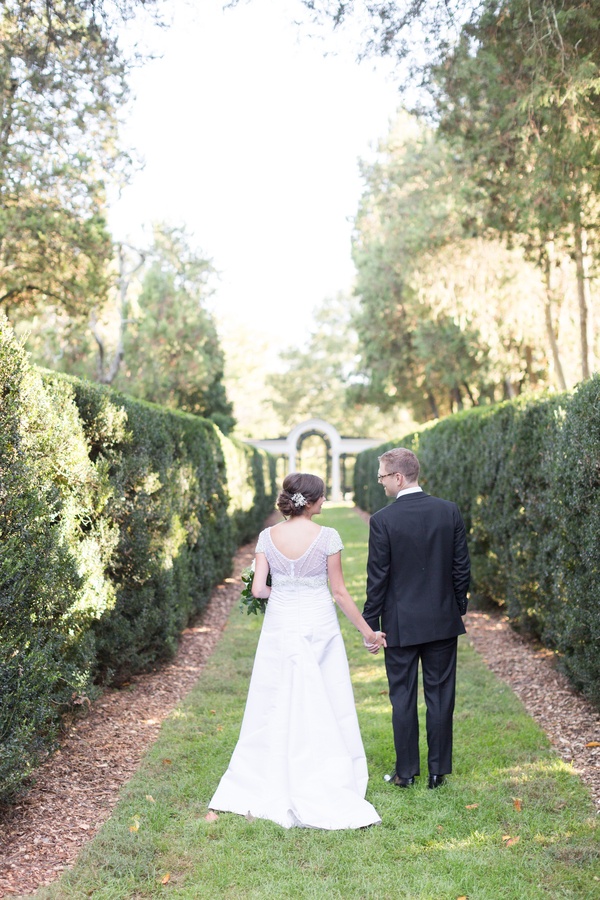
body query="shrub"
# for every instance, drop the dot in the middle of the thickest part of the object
(573, 622)
(178, 525)
(117, 518)
(51, 583)
(526, 477)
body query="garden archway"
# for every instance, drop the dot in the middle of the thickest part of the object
(339, 448)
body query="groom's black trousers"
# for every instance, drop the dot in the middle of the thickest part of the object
(438, 663)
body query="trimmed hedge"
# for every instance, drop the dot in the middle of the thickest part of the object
(117, 518)
(526, 476)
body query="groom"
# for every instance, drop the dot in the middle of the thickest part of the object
(417, 580)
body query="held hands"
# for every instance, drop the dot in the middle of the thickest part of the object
(373, 646)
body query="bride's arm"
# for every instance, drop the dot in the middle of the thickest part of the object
(346, 603)
(260, 588)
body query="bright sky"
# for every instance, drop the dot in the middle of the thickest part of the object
(251, 137)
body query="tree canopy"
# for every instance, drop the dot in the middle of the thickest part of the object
(63, 87)
(440, 323)
(519, 98)
(62, 82)
(320, 379)
(172, 352)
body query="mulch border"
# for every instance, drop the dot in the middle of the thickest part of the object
(571, 722)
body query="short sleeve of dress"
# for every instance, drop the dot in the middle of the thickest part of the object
(260, 547)
(334, 542)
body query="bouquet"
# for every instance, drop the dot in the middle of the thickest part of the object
(248, 601)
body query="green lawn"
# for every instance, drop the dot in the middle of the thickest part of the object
(512, 822)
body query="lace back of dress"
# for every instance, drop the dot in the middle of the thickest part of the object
(312, 563)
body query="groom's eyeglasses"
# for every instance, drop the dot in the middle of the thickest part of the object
(387, 474)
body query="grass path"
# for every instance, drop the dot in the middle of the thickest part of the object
(513, 822)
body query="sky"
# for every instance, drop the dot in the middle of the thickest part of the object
(251, 131)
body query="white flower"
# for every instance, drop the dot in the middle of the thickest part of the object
(299, 500)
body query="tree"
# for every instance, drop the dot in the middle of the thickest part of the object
(320, 380)
(249, 359)
(61, 83)
(411, 30)
(109, 364)
(172, 353)
(519, 97)
(439, 325)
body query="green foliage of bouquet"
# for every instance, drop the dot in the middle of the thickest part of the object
(248, 601)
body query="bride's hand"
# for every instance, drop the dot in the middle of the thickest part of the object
(380, 640)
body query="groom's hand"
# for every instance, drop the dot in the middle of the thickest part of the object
(373, 647)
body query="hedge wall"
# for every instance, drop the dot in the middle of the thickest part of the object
(117, 518)
(526, 476)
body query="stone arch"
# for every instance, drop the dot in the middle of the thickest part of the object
(320, 426)
(339, 447)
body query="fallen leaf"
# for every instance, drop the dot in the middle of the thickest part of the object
(518, 804)
(462, 897)
(165, 878)
(167, 762)
(439, 827)
(383, 693)
(150, 798)
(135, 826)
(509, 841)
(211, 816)
(219, 728)
(593, 744)
(471, 805)
(213, 712)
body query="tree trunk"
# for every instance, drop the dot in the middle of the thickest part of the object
(108, 375)
(433, 405)
(456, 398)
(7, 101)
(474, 402)
(531, 375)
(582, 299)
(100, 342)
(560, 375)
(509, 390)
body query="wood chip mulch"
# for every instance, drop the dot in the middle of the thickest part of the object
(77, 787)
(569, 720)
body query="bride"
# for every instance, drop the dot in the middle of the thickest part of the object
(299, 760)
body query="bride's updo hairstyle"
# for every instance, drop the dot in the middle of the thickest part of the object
(299, 491)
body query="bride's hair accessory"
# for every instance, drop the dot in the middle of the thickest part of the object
(299, 491)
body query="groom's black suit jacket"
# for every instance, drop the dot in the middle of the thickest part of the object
(418, 570)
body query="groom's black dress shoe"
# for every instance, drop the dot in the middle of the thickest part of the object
(436, 781)
(400, 782)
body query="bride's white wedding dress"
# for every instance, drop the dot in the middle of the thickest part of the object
(299, 760)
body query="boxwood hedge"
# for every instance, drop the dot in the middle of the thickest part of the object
(117, 518)
(526, 476)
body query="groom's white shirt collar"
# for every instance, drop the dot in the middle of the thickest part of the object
(414, 490)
